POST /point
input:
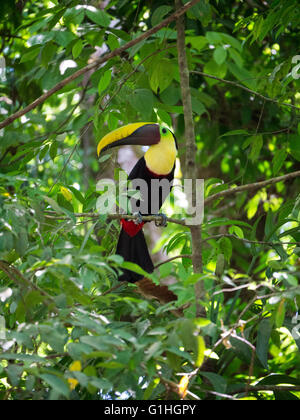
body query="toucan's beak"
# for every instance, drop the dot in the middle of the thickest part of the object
(143, 134)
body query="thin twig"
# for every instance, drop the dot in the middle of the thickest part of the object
(64, 167)
(112, 289)
(172, 259)
(250, 187)
(230, 82)
(248, 241)
(16, 276)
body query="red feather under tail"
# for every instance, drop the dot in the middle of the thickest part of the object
(131, 228)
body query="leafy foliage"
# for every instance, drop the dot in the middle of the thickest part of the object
(68, 330)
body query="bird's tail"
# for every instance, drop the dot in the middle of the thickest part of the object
(153, 291)
(133, 248)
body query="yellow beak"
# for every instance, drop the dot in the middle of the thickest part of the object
(144, 134)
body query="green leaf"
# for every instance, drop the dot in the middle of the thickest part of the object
(235, 133)
(104, 82)
(55, 18)
(56, 338)
(53, 150)
(47, 53)
(278, 160)
(285, 396)
(201, 11)
(226, 248)
(77, 48)
(22, 357)
(225, 222)
(215, 70)
(237, 58)
(159, 14)
(162, 75)
(165, 117)
(218, 382)
(236, 230)
(31, 53)
(54, 204)
(276, 379)
(235, 43)
(112, 42)
(89, 232)
(14, 373)
(101, 383)
(21, 243)
(150, 388)
(43, 152)
(200, 350)
(197, 42)
(280, 314)
(243, 75)
(135, 268)
(213, 37)
(77, 194)
(142, 100)
(171, 95)
(56, 383)
(64, 38)
(98, 16)
(220, 265)
(197, 106)
(263, 338)
(220, 55)
(294, 143)
(256, 146)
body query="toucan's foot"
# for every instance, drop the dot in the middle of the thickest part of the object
(138, 218)
(163, 222)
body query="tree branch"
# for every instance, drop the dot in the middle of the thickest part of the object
(104, 59)
(230, 82)
(158, 219)
(248, 241)
(172, 259)
(191, 148)
(250, 187)
(17, 277)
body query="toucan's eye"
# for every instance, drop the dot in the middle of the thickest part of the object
(164, 130)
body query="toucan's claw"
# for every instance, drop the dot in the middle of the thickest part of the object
(138, 218)
(163, 222)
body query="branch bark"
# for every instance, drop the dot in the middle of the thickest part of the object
(158, 219)
(191, 149)
(231, 191)
(250, 187)
(104, 59)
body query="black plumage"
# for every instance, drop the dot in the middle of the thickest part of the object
(134, 248)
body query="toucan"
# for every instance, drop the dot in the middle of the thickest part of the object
(158, 163)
